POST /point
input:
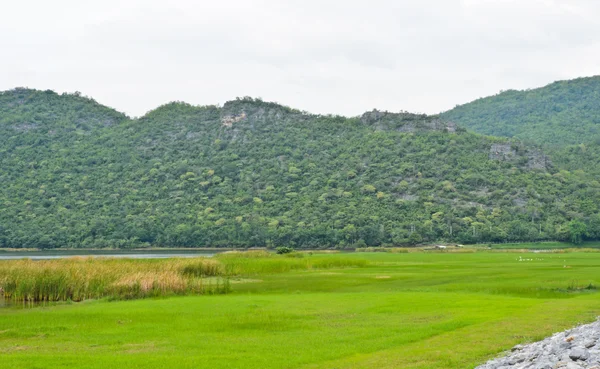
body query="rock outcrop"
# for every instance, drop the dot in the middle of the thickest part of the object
(532, 157)
(406, 122)
(577, 348)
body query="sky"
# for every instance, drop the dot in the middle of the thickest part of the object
(326, 57)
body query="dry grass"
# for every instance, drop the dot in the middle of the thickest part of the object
(252, 254)
(80, 278)
(585, 250)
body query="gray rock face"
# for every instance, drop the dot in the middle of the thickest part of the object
(406, 122)
(510, 152)
(502, 151)
(577, 348)
(579, 353)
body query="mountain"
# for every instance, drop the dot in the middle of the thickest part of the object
(24, 110)
(252, 173)
(562, 113)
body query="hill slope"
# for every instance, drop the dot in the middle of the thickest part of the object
(253, 173)
(562, 113)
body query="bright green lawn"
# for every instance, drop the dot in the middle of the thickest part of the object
(436, 310)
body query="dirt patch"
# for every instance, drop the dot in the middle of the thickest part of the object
(228, 120)
(6, 350)
(139, 348)
(244, 280)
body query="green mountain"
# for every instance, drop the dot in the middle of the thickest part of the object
(251, 173)
(562, 113)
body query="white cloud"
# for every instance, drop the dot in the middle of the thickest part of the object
(323, 56)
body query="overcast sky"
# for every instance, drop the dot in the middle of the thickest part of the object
(340, 57)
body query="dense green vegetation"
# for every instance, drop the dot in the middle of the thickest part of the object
(582, 159)
(562, 113)
(415, 310)
(251, 173)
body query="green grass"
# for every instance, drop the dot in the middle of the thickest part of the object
(410, 310)
(546, 245)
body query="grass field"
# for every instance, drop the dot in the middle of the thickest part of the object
(545, 245)
(407, 310)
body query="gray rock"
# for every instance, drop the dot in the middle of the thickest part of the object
(517, 348)
(569, 365)
(565, 357)
(519, 358)
(579, 353)
(564, 345)
(573, 366)
(545, 364)
(564, 350)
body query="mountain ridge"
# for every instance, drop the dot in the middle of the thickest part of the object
(254, 173)
(561, 113)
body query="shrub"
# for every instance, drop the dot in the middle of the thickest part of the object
(284, 250)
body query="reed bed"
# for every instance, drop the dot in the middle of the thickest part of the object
(571, 250)
(79, 278)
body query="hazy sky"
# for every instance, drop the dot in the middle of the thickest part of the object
(341, 57)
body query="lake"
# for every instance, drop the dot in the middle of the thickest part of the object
(135, 254)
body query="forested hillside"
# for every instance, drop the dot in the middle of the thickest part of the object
(562, 113)
(252, 173)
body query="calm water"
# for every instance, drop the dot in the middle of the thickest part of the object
(134, 254)
(4, 303)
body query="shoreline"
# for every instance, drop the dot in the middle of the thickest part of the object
(575, 348)
(136, 249)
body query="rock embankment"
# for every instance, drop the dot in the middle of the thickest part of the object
(576, 348)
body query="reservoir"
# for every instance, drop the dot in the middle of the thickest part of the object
(134, 254)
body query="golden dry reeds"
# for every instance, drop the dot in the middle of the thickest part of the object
(80, 278)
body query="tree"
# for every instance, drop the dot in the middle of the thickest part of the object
(577, 231)
(414, 238)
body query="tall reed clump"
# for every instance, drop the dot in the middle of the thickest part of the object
(79, 279)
